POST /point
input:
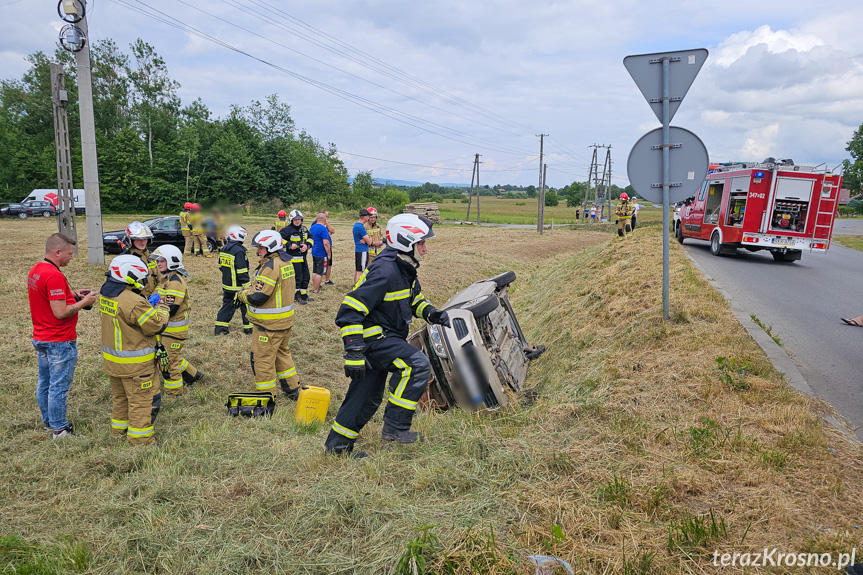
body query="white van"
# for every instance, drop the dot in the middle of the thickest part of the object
(50, 195)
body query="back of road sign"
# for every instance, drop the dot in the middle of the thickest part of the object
(646, 70)
(688, 165)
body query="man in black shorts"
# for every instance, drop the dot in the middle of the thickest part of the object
(321, 250)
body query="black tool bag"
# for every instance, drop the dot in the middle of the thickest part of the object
(253, 404)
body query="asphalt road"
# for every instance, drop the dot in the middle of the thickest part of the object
(803, 301)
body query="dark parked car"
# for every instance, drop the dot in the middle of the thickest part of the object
(14, 211)
(40, 208)
(166, 230)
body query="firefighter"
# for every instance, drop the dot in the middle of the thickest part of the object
(174, 293)
(271, 310)
(375, 232)
(298, 243)
(624, 215)
(281, 222)
(185, 229)
(374, 319)
(199, 231)
(129, 348)
(235, 276)
(219, 230)
(138, 238)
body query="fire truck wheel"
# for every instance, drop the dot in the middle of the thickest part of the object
(678, 233)
(715, 245)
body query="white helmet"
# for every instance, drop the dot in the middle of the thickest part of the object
(138, 231)
(237, 234)
(295, 214)
(404, 230)
(171, 254)
(270, 239)
(129, 269)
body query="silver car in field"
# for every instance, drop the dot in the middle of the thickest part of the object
(482, 355)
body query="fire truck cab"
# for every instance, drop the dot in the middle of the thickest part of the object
(773, 205)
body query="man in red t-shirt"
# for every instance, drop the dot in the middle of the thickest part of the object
(54, 309)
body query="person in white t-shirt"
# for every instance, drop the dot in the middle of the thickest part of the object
(635, 207)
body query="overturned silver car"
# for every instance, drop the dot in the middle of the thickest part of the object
(482, 355)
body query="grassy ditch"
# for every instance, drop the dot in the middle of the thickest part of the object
(850, 241)
(642, 454)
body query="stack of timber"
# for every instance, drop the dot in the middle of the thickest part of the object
(427, 209)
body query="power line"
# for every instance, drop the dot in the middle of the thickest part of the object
(343, 94)
(515, 168)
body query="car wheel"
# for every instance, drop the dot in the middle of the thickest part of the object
(715, 245)
(22, 216)
(211, 246)
(482, 306)
(504, 279)
(678, 233)
(47, 214)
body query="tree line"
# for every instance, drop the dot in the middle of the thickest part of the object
(155, 152)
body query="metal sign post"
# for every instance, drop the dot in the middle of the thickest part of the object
(664, 92)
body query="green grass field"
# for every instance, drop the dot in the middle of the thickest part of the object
(651, 444)
(850, 241)
(522, 211)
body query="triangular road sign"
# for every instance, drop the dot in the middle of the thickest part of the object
(646, 70)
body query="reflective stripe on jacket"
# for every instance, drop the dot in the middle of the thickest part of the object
(234, 266)
(174, 292)
(129, 329)
(270, 297)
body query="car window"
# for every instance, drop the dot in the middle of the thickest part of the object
(164, 225)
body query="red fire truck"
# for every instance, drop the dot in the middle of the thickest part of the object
(773, 205)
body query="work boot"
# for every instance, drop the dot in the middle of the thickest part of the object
(292, 394)
(221, 331)
(401, 435)
(189, 380)
(350, 453)
(304, 298)
(247, 330)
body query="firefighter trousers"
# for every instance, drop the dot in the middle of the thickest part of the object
(226, 312)
(180, 370)
(187, 237)
(271, 360)
(410, 370)
(135, 400)
(199, 241)
(624, 226)
(301, 276)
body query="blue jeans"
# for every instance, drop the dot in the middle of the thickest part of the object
(57, 361)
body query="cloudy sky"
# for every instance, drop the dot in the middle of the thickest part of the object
(412, 90)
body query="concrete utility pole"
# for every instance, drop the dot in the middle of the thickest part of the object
(542, 199)
(539, 210)
(474, 174)
(65, 187)
(606, 180)
(95, 252)
(476, 160)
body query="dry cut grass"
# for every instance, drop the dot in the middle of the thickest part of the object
(642, 453)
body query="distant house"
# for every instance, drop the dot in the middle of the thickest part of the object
(500, 190)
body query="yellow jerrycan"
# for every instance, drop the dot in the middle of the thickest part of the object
(312, 404)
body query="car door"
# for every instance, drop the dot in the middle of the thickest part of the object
(164, 232)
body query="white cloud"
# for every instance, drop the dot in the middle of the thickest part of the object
(737, 45)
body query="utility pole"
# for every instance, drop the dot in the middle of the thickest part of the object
(476, 160)
(65, 187)
(542, 199)
(539, 210)
(606, 180)
(95, 252)
(470, 194)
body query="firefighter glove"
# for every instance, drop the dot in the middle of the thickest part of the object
(355, 364)
(237, 302)
(162, 359)
(439, 317)
(154, 299)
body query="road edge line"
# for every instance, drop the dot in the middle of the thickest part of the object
(774, 352)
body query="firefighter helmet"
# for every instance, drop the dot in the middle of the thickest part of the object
(171, 254)
(129, 269)
(404, 230)
(237, 234)
(296, 214)
(138, 231)
(624, 197)
(269, 239)
(373, 213)
(187, 206)
(196, 206)
(281, 213)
